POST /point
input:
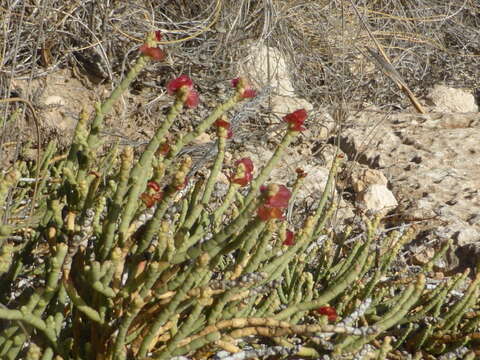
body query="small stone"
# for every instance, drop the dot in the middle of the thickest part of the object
(54, 100)
(377, 198)
(446, 99)
(466, 236)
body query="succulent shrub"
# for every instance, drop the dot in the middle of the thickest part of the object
(131, 258)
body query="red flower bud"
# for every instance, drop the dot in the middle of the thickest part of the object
(175, 84)
(328, 311)
(245, 89)
(225, 125)
(163, 149)
(183, 185)
(290, 238)
(153, 52)
(192, 99)
(158, 35)
(150, 200)
(296, 120)
(153, 185)
(246, 162)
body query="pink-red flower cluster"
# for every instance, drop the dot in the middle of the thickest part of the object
(296, 119)
(184, 85)
(226, 125)
(149, 198)
(245, 89)
(290, 238)
(244, 173)
(328, 311)
(153, 52)
(276, 199)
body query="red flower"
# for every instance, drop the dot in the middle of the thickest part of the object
(244, 172)
(276, 199)
(192, 99)
(150, 199)
(226, 125)
(266, 213)
(296, 120)
(153, 52)
(245, 89)
(290, 239)
(153, 185)
(247, 162)
(328, 311)
(277, 195)
(175, 84)
(183, 82)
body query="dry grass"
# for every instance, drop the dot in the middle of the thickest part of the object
(429, 41)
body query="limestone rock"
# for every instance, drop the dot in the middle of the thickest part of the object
(377, 198)
(446, 99)
(362, 177)
(267, 66)
(432, 163)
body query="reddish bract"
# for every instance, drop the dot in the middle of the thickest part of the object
(246, 89)
(266, 213)
(225, 125)
(182, 186)
(328, 311)
(150, 199)
(290, 238)
(158, 35)
(192, 99)
(280, 197)
(247, 162)
(296, 119)
(182, 81)
(174, 85)
(164, 149)
(247, 165)
(153, 52)
(275, 201)
(153, 185)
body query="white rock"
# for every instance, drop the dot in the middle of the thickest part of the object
(54, 100)
(377, 198)
(447, 99)
(267, 66)
(264, 61)
(362, 177)
(287, 104)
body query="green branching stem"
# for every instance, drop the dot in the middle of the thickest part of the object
(333, 291)
(200, 129)
(81, 305)
(405, 302)
(115, 209)
(265, 172)
(166, 314)
(215, 245)
(141, 171)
